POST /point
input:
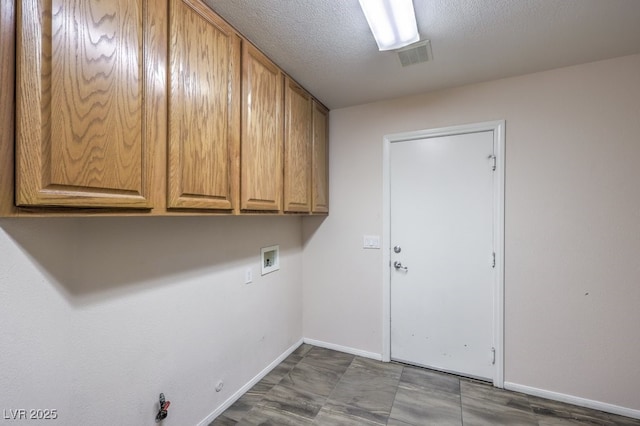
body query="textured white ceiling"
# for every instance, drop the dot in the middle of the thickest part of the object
(327, 47)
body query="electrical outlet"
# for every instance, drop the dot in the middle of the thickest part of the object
(248, 276)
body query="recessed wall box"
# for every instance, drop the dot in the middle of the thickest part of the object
(270, 259)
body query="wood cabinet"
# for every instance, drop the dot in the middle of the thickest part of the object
(204, 108)
(7, 52)
(262, 132)
(297, 149)
(84, 136)
(320, 160)
(134, 107)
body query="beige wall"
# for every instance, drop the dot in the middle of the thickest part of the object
(572, 237)
(100, 315)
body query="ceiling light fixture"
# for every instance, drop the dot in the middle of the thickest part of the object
(392, 22)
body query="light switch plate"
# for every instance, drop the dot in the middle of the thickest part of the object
(371, 242)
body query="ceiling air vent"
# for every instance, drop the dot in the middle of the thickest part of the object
(415, 53)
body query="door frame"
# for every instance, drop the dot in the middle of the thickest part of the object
(498, 128)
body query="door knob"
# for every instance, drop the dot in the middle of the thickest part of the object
(398, 265)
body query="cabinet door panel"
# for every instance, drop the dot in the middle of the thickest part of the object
(297, 149)
(204, 107)
(320, 160)
(262, 132)
(80, 90)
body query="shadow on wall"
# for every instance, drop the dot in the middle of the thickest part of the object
(88, 257)
(310, 226)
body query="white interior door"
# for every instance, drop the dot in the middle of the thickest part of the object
(442, 234)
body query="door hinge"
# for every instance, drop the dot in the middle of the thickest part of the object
(493, 162)
(493, 356)
(493, 262)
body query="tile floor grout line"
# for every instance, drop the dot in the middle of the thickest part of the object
(427, 398)
(395, 394)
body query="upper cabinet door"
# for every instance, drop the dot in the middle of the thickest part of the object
(204, 108)
(320, 159)
(80, 136)
(262, 132)
(297, 149)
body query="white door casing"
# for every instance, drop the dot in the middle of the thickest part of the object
(466, 225)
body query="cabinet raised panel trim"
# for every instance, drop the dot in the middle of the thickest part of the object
(80, 104)
(204, 108)
(297, 149)
(262, 132)
(320, 159)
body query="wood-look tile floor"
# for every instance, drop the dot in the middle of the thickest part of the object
(317, 386)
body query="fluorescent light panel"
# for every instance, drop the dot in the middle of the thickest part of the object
(392, 22)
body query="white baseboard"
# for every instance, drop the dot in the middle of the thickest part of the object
(346, 349)
(233, 398)
(570, 399)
